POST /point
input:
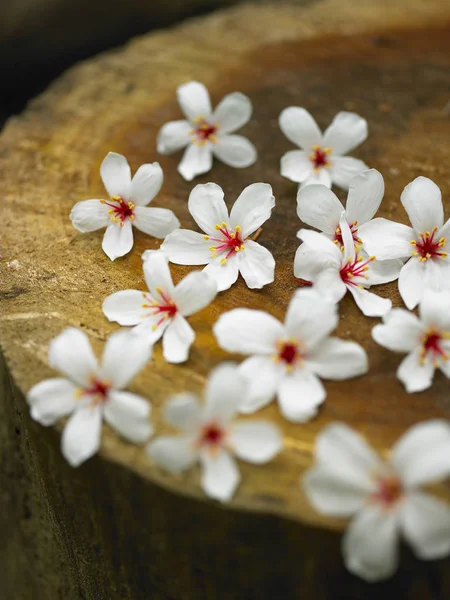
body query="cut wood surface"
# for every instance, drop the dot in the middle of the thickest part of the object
(388, 61)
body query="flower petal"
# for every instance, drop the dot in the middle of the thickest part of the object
(194, 100)
(263, 375)
(172, 453)
(116, 175)
(52, 399)
(423, 202)
(370, 544)
(338, 359)
(256, 442)
(309, 264)
(233, 112)
(433, 309)
(89, 215)
(223, 274)
(151, 328)
(124, 307)
(385, 239)
(158, 222)
(235, 151)
(344, 169)
(224, 389)
(123, 357)
(400, 332)
(256, 265)
(300, 128)
(118, 239)
(220, 476)
(194, 293)
(146, 183)
(415, 375)
(323, 177)
(173, 136)
(129, 415)
(196, 161)
(183, 412)
(177, 340)
(310, 317)
(370, 304)
(82, 435)
(322, 245)
(364, 196)
(296, 165)
(319, 207)
(185, 247)
(207, 206)
(71, 353)
(252, 208)
(411, 282)
(347, 131)
(426, 525)
(300, 394)
(157, 275)
(329, 283)
(384, 271)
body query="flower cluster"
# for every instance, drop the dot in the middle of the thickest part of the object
(349, 249)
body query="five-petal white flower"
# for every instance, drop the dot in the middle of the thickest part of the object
(334, 271)
(426, 244)
(207, 132)
(127, 206)
(321, 159)
(226, 248)
(426, 339)
(92, 392)
(161, 312)
(288, 360)
(211, 437)
(349, 478)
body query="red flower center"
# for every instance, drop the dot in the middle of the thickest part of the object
(288, 353)
(120, 210)
(228, 244)
(356, 267)
(428, 246)
(319, 157)
(389, 492)
(431, 343)
(98, 390)
(353, 230)
(204, 132)
(165, 307)
(212, 435)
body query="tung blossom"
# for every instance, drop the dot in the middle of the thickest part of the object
(425, 246)
(212, 437)
(288, 360)
(425, 338)
(384, 497)
(321, 159)
(206, 133)
(162, 311)
(226, 247)
(91, 392)
(126, 206)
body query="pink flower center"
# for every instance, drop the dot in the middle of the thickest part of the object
(353, 230)
(319, 158)
(204, 132)
(390, 491)
(165, 307)
(120, 210)
(98, 390)
(228, 244)
(428, 246)
(431, 343)
(356, 267)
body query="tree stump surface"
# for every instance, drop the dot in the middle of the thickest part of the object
(390, 64)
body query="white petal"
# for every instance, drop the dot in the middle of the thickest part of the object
(426, 525)
(220, 476)
(52, 399)
(323, 177)
(347, 131)
(423, 203)
(309, 264)
(400, 332)
(310, 317)
(300, 128)
(124, 356)
(370, 304)
(422, 454)
(194, 293)
(344, 169)
(129, 415)
(146, 183)
(81, 436)
(151, 329)
(235, 151)
(383, 271)
(338, 359)
(71, 353)
(255, 441)
(196, 161)
(248, 331)
(329, 283)
(193, 98)
(223, 274)
(256, 265)
(385, 239)
(349, 251)
(319, 207)
(321, 245)
(116, 175)
(263, 375)
(411, 282)
(157, 275)
(370, 545)
(89, 215)
(434, 309)
(125, 307)
(207, 206)
(437, 276)
(177, 340)
(118, 240)
(183, 412)
(296, 165)
(173, 453)
(173, 136)
(224, 390)
(158, 222)
(300, 394)
(252, 208)
(185, 247)
(415, 375)
(364, 196)
(233, 111)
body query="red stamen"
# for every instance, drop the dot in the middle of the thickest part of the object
(319, 157)
(230, 243)
(389, 492)
(212, 435)
(120, 209)
(204, 132)
(429, 246)
(431, 343)
(288, 353)
(98, 390)
(353, 230)
(355, 268)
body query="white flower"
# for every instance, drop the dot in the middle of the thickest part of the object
(127, 205)
(321, 159)
(288, 360)
(426, 339)
(211, 436)
(226, 248)
(161, 312)
(426, 244)
(92, 392)
(334, 271)
(384, 496)
(207, 132)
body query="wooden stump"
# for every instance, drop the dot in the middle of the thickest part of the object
(118, 527)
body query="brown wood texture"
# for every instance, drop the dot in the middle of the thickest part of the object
(390, 65)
